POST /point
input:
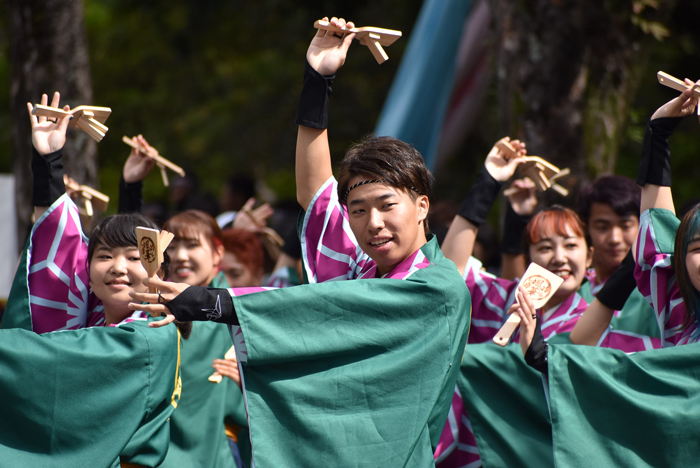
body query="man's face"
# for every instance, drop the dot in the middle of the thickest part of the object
(611, 235)
(387, 222)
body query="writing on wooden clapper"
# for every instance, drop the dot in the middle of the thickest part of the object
(152, 243)
(540, 285)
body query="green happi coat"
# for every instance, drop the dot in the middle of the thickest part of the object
(613, 409)
(353, 373)
(79, 397)
(197, 432)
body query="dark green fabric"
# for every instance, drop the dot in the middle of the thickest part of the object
(204, 405)
(354, 373)
(505, 400)
(585, 291)
(82, 398)
(637, 316)
(613, 409)
(17, 313)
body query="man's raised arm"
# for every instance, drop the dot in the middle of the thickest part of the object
(326, 54)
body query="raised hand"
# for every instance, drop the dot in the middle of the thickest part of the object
(48, 136)
(499, 166)
(138, 165)
(524, 201)
(327, 51)
(155, 302)
(252, 219)
(680, 106)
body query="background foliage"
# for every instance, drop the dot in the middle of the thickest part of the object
(214, 85)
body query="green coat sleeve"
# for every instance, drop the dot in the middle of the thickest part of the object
(87, 397)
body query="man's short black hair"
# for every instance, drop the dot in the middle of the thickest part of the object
(621, 193)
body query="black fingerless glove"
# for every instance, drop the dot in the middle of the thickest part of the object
(47, 173)
(312, 110)
(655, 166)
(536, 354)
(513, 228)
(130, 196)
(480, 198)
(619, 286)
(198, 304)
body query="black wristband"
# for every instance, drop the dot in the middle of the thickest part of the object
(130, 196)
(513, 228)
(655, 165)
(536, 354)
(47, 173)
(312, 110)
(199, 304)
(619, 286)
(480, 199)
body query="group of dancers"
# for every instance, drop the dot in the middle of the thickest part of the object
(383, 356)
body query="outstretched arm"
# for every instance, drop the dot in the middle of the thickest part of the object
(654, 171)
(459, 241)
(48, 139)
(325, 56)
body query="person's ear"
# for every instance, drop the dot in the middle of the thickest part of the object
(218, 254)
(423, 206)
(589, 258)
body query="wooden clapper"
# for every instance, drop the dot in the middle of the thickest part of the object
(152, 244)
(216, 377)
(161, 162)
(373, 38)
(674, 83)
(542, 173)
(90, 119)
(89, 195)
(540, 284)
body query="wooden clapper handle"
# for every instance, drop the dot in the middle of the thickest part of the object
(674, 83)
(160, 160)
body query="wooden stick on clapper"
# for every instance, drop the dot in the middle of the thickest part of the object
(152, 244)
(540, 284)
(373, 38)
(161, 162)
(89, 119)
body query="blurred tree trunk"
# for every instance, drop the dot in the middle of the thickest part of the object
(568, 72)
(48, 52)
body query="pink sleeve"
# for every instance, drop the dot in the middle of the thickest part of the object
(491, 298)
(328, 246)
(656, 278)
(627, 341)
(58, 279)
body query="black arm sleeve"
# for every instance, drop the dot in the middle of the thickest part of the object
(619, 286)
(513, 228)
(480, 199)
(199, 304)
(130, 196)
(47, 173)
(655, 166)
(536, 354)
(312, 110)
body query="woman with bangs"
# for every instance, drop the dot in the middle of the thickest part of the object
(554, 239)
(208, 424)
(102, 391)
